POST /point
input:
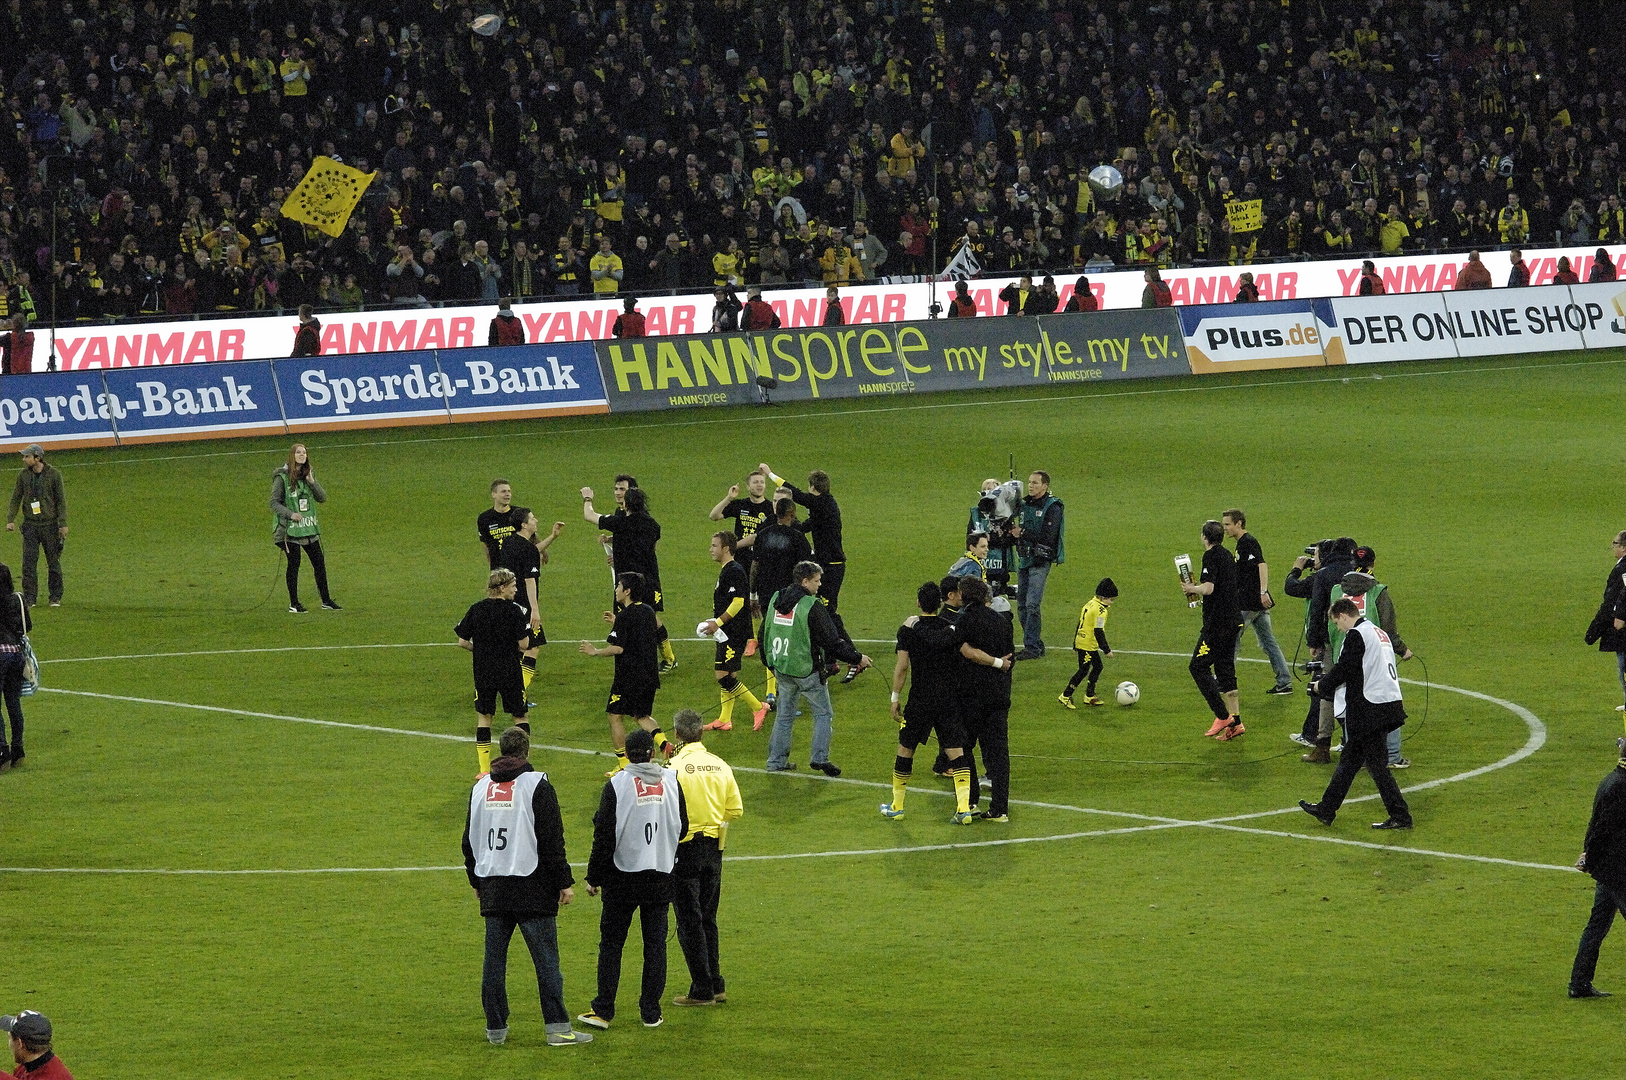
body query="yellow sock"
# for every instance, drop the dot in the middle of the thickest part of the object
(666, 651)
(961, 774)
(659, 739)
(482, 751)
(726, 716)
(527, 670)
(773, 684)
(900, 787)
(743, 694)
(620, 760)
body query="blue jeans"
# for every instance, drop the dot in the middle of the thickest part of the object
(817, 694)
(1392, 743)
(1260, 621)
(542, 936)
(1029, 596)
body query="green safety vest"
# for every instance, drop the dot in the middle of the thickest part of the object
(299, 499)
(1368, 608)
(787, 640)
(1033, 519)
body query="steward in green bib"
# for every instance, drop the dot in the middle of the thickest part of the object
(294, 495)
(799, 643)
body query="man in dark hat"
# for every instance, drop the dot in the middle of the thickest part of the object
(31, 1046)
(1604, 857)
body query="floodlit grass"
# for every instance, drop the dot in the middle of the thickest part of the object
(1486, 488)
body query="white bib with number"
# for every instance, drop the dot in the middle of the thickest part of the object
(502, 829)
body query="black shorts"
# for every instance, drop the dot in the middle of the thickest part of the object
(920, 721)
(513, 700)
(631, 701)
(652, 597)
(729, 655)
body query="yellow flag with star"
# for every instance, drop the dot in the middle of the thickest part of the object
(327, 195)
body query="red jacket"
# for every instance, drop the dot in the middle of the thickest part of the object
(962, 307)
(1082, 300)
(506, 330)
(49, 1067)
(308, 339)
(1372, 285)
(629, 324)
(18, 348)
(1566, 277)
(1474, 275)
(759, 315)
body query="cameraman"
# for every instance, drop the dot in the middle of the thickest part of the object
(1040, 544)
(1001, 544)
(1330, 560)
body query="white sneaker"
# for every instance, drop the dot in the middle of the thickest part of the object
(1338, 748)
(496, 1036)
(1299, 738)
(985, 784)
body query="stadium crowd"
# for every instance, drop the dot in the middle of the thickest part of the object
(625, 146)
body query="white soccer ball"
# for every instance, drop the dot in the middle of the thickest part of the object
(1127, 693)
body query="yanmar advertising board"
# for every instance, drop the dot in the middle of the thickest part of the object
(1251, 337)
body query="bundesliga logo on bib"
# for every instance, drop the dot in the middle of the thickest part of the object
(648, 792)
(500, 796)
(784, 618)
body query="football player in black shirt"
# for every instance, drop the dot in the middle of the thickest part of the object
(824, 527)
(926, 645)
(497, 524)
(633, 552)
(637, 666)
(749, 514)
(779, 547)
(523, 553)
(1213, 661)
(495, 631)
(731, 613)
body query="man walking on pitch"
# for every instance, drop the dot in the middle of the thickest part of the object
(1604, 857)
(1365, 692)
(495, 630)
(983, 637)
(711, 798)
(1253, 596)
(497, 524)
(38, 494)
(926, 647)
(637, 669)
(636, 830)
(731, 614)
(514, 853)
(778, 549)
(824, 528)
(798, 633)
(750, 514)
(1213, 661)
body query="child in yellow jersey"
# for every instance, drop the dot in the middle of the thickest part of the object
(1090, 642)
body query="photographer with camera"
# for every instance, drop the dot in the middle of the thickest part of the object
(1330, 561)
(1040, 544)
(991, 516)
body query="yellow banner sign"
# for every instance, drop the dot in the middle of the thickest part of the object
(1246, 216)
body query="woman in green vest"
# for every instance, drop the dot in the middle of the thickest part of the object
(294, 496)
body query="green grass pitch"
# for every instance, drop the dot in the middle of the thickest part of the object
(1489, 489)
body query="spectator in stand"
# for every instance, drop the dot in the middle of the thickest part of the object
(1474, 273)
(606, 269)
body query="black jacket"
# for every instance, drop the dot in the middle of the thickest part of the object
(537, 894)
(1606, 833)
(601, 869)
(1318, 590)
(1363, 719)
(1613, 607)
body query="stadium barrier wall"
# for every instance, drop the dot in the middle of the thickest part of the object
(266, 397)
(1252, 337)
(82, 347)
(862, 361)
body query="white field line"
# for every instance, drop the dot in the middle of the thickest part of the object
(1538, 735)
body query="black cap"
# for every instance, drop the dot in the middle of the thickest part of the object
(1106, 589)
(29, 1026)
(640, 746)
